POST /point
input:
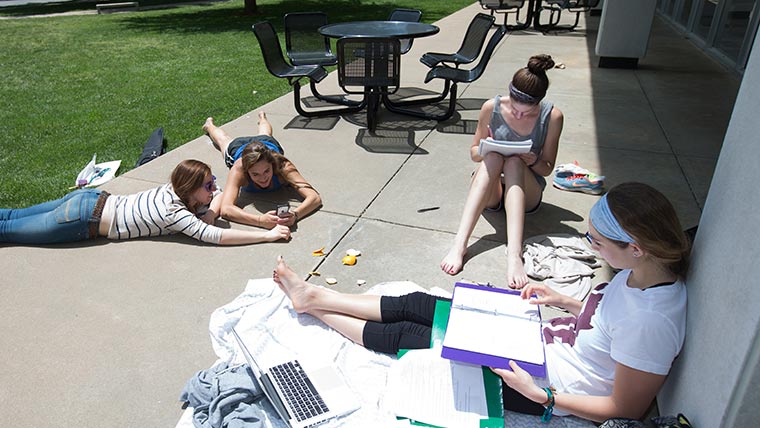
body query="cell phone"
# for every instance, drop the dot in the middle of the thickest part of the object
(282, 210)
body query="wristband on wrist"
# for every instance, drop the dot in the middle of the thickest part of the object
(549, 404)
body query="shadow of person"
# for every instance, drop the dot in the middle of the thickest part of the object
(483, 245)
(549, 219)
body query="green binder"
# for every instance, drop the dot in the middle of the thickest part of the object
(491, 382)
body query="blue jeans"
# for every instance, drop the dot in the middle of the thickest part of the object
(63, 220)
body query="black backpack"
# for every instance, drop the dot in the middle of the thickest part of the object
(679, 421)
(154, 147)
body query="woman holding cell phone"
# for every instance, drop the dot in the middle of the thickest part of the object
(188, 205)
(257, 164)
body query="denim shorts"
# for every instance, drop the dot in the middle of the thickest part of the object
(235, 148)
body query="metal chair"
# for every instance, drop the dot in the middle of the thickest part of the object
(406, 15)
(472, 44)
(507, 7)
(451, 76)
(277, 66)
(373, 64)
(303, 43)
(556, 7)
(305, 46)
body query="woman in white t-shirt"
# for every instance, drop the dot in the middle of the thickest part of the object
(606, 361)
(611, 357)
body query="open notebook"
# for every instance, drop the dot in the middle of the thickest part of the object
(490, 326)
(506, 148)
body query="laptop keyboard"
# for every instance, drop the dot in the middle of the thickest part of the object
(300, 394)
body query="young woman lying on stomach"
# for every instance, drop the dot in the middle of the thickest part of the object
(188, 205)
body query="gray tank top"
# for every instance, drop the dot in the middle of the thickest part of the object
(502, 131)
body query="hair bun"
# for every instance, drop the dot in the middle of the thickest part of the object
(540, 63)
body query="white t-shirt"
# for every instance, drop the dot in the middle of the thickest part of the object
(641, 329)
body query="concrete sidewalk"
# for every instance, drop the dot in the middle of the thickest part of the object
(105, 334)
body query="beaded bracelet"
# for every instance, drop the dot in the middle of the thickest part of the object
(547, 416)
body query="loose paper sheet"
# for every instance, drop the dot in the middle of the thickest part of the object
(427, 388)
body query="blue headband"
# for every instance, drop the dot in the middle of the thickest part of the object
(606, 223)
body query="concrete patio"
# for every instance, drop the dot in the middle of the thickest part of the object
(105, 334)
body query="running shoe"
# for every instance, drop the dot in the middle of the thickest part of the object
(568, 169)
(590, 183)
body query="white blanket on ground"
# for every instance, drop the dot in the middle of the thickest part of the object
(264, 317)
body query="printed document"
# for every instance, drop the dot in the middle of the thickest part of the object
(427, 388)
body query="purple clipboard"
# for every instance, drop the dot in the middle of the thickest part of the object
(473, 357)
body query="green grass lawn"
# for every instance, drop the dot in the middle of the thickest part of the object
(76, 85)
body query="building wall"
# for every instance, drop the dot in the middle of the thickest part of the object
(715, 381)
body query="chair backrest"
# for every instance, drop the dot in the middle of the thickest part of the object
(574, 5)
(406, 15)
(584, 5)
(478, 70)
(475, 36)
(271, 49)
(303, 43)
(502, 4)
(368, 62)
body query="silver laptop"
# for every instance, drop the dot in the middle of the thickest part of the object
(302, 399)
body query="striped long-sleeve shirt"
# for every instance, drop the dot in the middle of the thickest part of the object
(156, 212)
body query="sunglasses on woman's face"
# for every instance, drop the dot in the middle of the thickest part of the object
(209, 186)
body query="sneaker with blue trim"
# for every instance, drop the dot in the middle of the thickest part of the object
(591, 183)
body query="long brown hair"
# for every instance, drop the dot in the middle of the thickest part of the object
(187, 177)
(647, 215)
(257, 151)
(532, 79)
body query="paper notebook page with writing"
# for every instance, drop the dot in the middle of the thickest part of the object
(497, 324)
(506, 148)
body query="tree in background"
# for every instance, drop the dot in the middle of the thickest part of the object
(250, 7)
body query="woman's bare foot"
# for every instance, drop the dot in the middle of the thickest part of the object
(208, 125)
(298, 291)
(454, 260)
(516, 277)
(265, 128)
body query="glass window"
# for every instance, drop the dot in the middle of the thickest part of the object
(683, 17)
(667, 7)
(705, 18)
(733, 27)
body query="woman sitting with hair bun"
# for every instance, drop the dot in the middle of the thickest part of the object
(514, 182)
(257, 164)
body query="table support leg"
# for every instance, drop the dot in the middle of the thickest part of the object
(373, 102)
